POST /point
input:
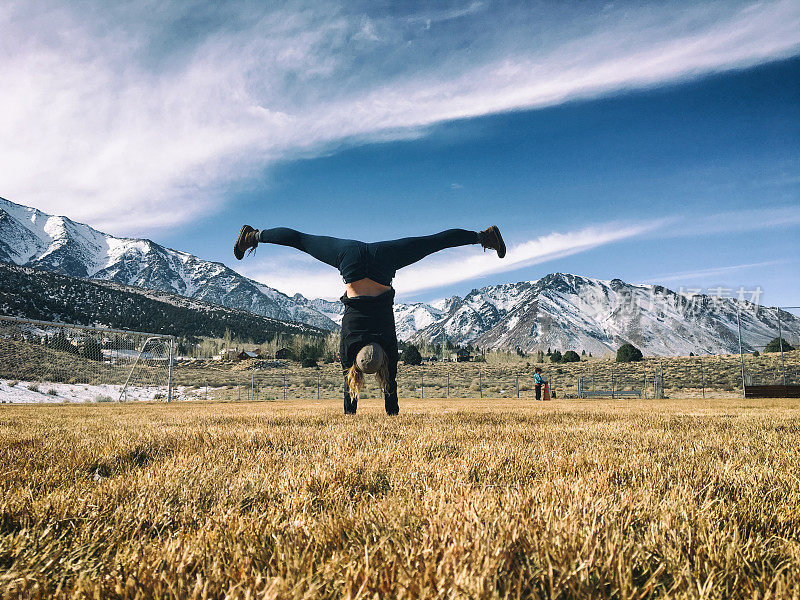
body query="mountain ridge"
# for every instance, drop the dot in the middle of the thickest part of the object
(43, 295)
(32, 238)
(559, 310)
(572, 312)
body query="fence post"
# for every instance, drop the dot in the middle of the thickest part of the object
(612, 384)
(448, 384)
(517, 384)
(252, 385)
(172, 358)
(206, 391)
(702, 377)
(284, 385)
(421, 384)
(318, 376)
(480, 382)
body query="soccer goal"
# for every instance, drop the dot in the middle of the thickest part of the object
(61, 362)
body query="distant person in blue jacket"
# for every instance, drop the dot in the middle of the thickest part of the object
(538, 381)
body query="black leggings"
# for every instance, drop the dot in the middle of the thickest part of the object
(378, 261)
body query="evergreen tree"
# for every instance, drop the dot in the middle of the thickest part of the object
(311, 352)
(555, 356)
(92, 350)
(570, 356)
(629, 353)
(775, 346)
(411, 355)
(61, 343)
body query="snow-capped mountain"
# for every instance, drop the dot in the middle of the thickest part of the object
(34, 294)
(409, 318)
(333, 309)
(558, 311)
(29, 237)
(570, 312)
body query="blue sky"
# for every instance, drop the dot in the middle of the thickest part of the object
(647, 142)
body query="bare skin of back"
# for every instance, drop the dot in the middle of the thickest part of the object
(365, 287)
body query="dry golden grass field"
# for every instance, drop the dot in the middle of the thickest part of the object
(451, 499)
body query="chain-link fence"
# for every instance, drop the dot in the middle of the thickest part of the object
(712, 376)
(760, 376)
(283, 380)
(45, 361)
(42, 361)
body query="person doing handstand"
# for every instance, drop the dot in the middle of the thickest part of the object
(368, 340)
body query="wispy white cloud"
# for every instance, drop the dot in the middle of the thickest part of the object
(293, 272)
(464, 264)
(446, 268)
(110, 112)
(440, 16)
(709, 273)
(735, 221)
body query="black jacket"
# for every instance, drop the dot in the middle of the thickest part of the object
(368, 319)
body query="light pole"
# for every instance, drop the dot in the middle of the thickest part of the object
(780, 343)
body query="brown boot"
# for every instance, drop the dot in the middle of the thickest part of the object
(491, 238)
(247, 240)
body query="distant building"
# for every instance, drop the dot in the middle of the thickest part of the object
(282, 353)
(248, 354)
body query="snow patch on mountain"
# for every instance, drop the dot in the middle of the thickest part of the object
(29, 237)
(570, 312)
(558, 311)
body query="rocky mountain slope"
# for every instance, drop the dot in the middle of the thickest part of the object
(558, 311)
(570, 312)
(29, 237)
(46, 296)
(409, 318)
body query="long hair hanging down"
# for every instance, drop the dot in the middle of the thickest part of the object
(355, 378)
(355, 381)
(382, 374)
